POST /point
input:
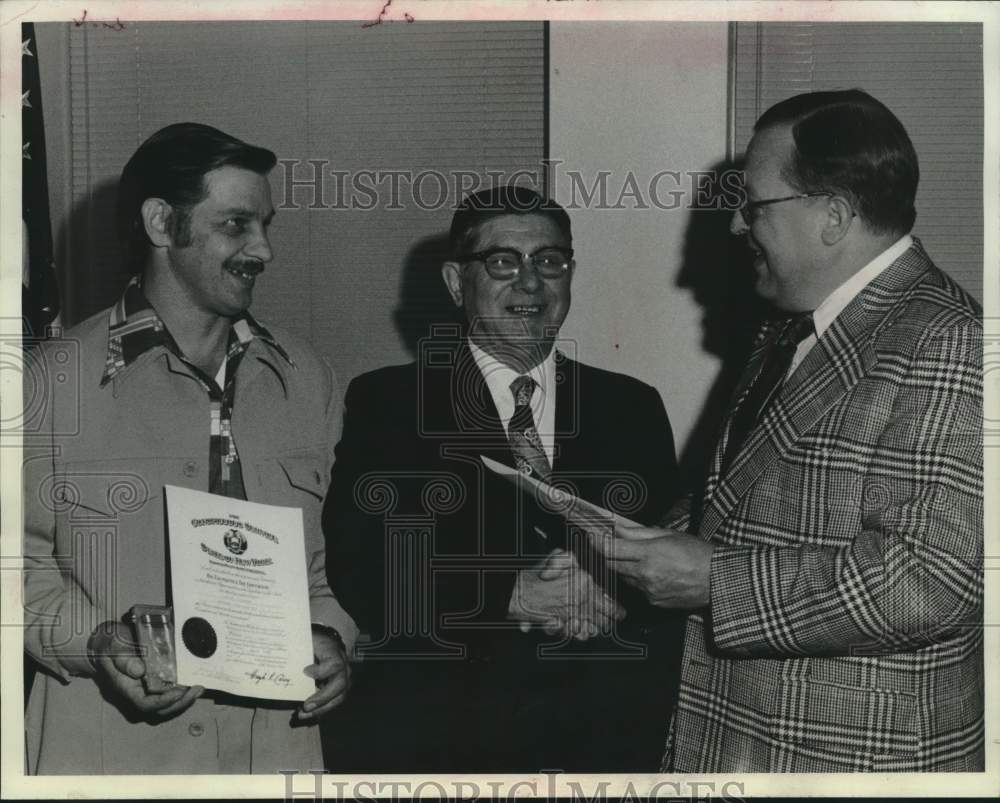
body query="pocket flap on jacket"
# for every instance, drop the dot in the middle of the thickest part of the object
(876, 721)
(306, 471)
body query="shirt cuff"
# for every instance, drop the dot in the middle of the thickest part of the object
(327, 612)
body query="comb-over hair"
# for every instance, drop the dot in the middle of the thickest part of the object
(849, 143)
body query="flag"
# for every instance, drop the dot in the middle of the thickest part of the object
(39, 291)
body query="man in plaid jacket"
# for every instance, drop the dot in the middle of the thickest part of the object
(835, 573)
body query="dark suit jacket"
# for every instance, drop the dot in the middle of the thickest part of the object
(425, 544)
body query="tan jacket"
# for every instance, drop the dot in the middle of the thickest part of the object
(95, 463)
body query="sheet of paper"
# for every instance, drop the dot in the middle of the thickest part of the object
(240, 595)
(574, 509)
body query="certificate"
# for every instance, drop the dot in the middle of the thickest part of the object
(571, 507)
(240, 595)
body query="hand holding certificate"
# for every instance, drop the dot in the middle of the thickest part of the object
(240, 596)
(671, 568)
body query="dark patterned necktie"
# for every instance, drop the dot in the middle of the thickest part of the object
(772, 372)
(525, 443)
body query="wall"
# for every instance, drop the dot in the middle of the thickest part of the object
(624, 97)
(642, 98)
(357, 262)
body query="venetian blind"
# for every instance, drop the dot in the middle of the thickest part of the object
(929, 74)
(456, 100)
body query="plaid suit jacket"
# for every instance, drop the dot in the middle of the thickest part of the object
(845, 626)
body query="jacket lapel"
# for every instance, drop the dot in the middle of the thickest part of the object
(842, 356)
(463, 394)
(568, 411)
(479, 431)
(255, 452)
(765, 338)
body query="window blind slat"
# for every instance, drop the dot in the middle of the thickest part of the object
(424, 96)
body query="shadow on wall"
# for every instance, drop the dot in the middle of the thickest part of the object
(718, 271)
(89, 258)
(423, 297)
(90, 266)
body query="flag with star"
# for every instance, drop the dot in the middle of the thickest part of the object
(39, 291)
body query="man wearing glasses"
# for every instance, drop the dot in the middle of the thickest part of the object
(496, 647)
(835, 575)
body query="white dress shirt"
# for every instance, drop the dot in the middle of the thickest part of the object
(498, 377)
(825, 314)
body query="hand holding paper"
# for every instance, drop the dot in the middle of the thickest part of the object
(671, 568)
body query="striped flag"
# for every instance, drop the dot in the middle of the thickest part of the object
(39, 291)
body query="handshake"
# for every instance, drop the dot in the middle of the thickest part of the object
(563, 598)
(671, 569)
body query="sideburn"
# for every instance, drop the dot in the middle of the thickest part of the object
(179, 225)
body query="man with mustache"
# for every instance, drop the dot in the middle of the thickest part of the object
(483, 609)
(835, 574)
(176, 384)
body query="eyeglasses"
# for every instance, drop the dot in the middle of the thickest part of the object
(748, 210)
(551, 262)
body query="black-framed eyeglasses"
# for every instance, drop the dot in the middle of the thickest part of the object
(551, 262)
(749, 209)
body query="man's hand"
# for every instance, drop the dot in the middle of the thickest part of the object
(332, 674)
(671, 568)
(120, 670)
(563, 598)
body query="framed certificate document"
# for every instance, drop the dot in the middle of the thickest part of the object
(240, 595)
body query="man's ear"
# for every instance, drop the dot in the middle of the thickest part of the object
(839, 218)
(156, 220)
(451, 272)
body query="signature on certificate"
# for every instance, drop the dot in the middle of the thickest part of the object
(274, 678)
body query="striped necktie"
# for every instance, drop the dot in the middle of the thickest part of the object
(525, 443)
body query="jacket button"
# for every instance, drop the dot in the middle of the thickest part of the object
(190, 468)
(196, 729)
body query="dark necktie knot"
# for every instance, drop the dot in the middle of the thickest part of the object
(797, 329)
(522, 389)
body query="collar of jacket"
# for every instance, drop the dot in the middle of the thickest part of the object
(134, 316)
(843, 355)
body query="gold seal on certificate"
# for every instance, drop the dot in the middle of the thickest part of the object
(240, 595)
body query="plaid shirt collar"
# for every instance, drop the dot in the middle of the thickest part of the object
(135, 329)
